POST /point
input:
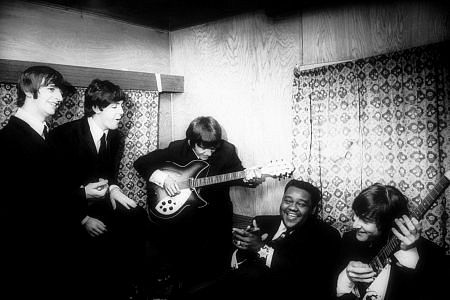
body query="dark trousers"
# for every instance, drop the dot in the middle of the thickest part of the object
(114, 261)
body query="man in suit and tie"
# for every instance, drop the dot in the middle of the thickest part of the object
(290, 254)
(113, 238)
(38, 221)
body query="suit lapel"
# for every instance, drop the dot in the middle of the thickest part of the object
(23, 126)
(87, 141)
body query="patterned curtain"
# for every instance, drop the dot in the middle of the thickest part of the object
(379, 119)
(139, 126)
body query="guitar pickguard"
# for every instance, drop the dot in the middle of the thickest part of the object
(169, 205)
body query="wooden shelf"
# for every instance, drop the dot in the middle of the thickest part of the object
(82, 76)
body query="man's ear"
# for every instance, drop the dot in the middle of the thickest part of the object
(96, 109)
(314, 211)
(30, 95)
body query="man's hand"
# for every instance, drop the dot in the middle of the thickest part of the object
(94, 226)
(171, 186)
(116, 195)
(359, 272)
(248, 239)
(409, 234)
(253, 176)
(95, 190)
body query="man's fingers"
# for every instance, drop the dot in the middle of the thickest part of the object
(409, 224)
(401, 226)
(131, 202)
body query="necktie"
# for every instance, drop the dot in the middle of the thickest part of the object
(102, 149)
(45, 132)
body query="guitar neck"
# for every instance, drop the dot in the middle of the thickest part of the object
(209, 180)
(382, 258)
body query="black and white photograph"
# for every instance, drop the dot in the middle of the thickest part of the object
(228, 149)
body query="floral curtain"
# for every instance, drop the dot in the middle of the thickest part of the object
(379, 119)
(139, 126)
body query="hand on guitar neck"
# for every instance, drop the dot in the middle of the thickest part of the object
(408, 232)
(253, 177)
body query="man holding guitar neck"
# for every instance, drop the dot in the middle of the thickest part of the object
(371, 272)
(196, 243)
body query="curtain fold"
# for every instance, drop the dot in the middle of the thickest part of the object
(139, 126)
(379, 119)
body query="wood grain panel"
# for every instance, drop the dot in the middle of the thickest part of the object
(356, 31)
(34, 32)
(239, 70)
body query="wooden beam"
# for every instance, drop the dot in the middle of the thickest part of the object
(82, 76)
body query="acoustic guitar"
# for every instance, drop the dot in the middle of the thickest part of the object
(166, 207)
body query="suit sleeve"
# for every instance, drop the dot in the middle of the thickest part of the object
(149, 163)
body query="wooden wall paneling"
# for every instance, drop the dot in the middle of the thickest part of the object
(355, 31)
(239, 70)
(36, 32)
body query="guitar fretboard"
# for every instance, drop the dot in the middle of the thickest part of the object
(217, 179)
(382, 258)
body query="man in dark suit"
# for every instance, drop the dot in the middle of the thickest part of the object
(414, 270)
(292, 254)
(114, 225)
(196, 242)
(38, 220)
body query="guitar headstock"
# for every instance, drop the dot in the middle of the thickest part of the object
(278, 169)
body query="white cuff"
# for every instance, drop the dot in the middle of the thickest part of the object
(344, 284)
(234, 263)
(408, 258)
(113, 188)
(85, 219)
(158, 177)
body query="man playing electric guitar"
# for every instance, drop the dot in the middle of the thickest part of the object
(411, 272)
(197, 244)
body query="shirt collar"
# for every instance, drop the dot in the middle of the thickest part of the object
(282, 229)
(31, 120)
(96, 131)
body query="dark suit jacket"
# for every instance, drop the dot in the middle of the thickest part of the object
(204, 234)
(223, 160)
(304, 263)
(38, 219)
(74, 142)
(425, 282)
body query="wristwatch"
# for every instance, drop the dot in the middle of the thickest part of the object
(264, 251)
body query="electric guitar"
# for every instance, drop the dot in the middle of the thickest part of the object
(165, 207)
(379, 262)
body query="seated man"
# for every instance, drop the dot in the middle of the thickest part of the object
(413, 268)
(113, 239)
(194, 243)
(291, 254)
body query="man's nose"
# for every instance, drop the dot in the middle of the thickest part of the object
(356, 223)
(58, 95)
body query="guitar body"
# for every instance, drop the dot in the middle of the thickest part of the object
(165, 207)
(189, 179)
